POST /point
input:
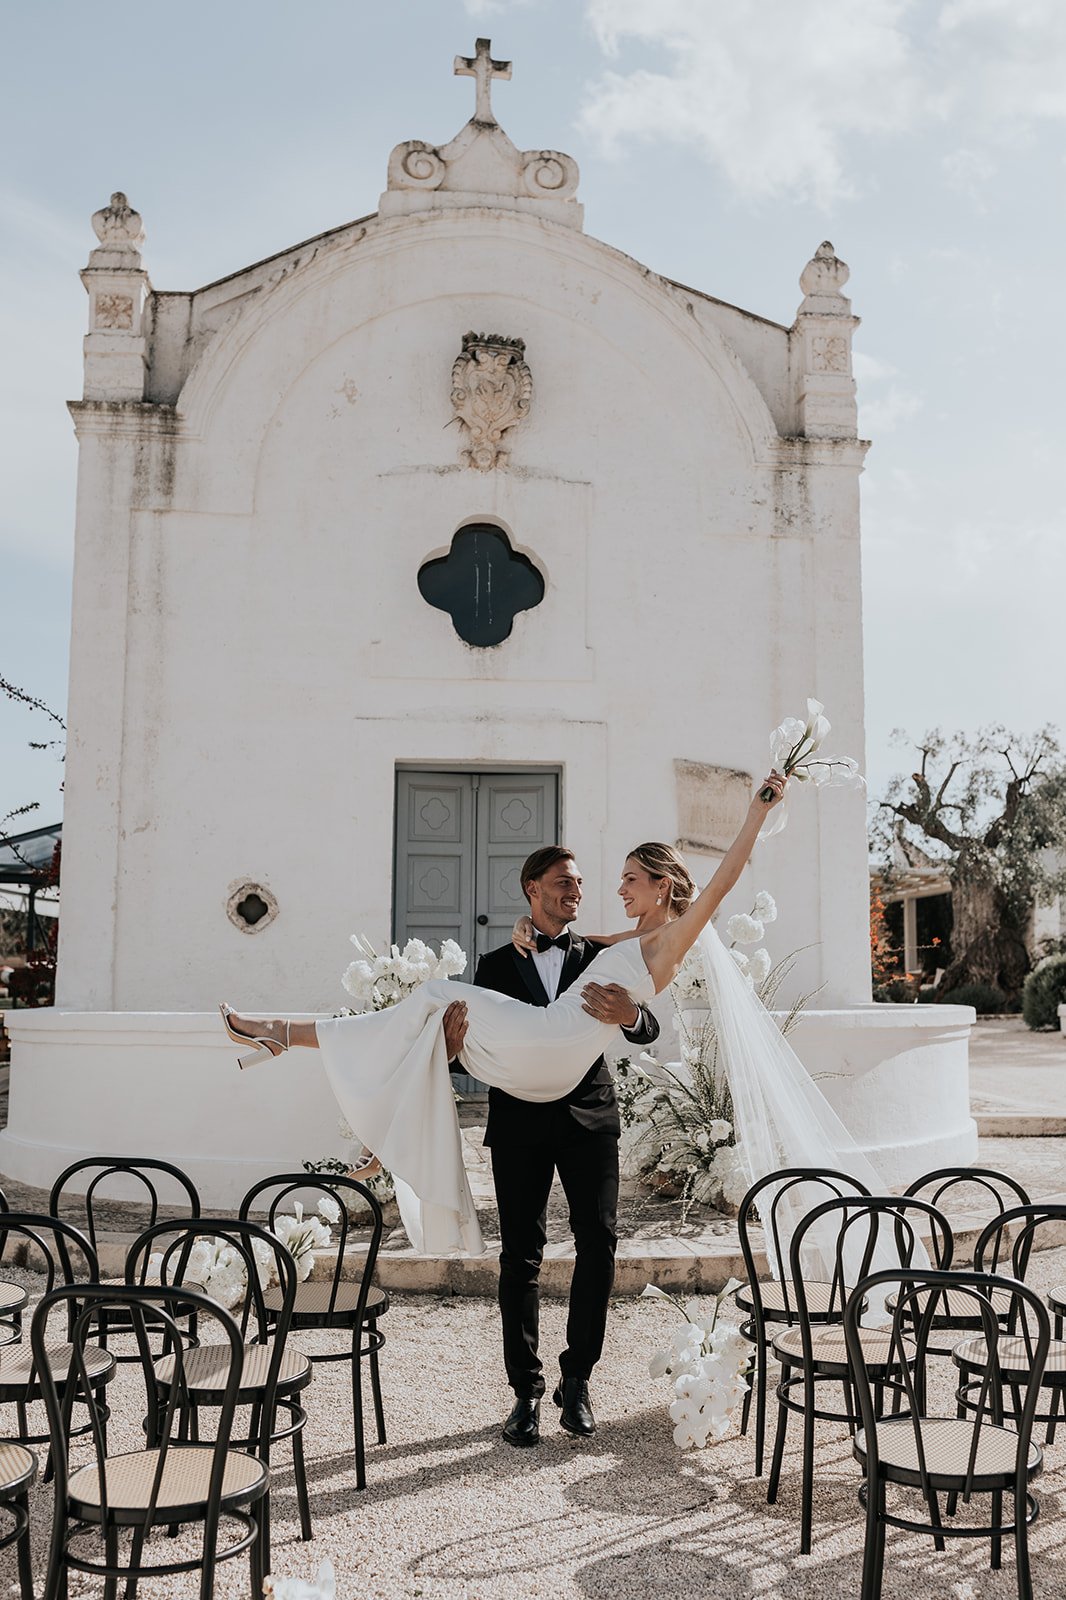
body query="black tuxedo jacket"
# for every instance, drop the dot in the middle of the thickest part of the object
(592, 1105)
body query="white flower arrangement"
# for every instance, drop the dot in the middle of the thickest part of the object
(218, 1266)
(322, 1587)
(796, 751)
(376, 982)
(302, 1236)
(707, 1363)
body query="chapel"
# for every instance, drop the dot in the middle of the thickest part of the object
(448, 533)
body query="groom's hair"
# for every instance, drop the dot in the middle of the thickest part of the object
(541, 861)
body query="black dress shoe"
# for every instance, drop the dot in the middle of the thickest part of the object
(576, 1417)
(523, 1425)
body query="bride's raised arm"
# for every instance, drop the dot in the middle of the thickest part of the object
(665, 948)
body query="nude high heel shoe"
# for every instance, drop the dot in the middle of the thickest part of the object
(260, 1047)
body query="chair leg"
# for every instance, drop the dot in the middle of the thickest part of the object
(375, 1388)
(1021, 1548)
(25, 1565)
(997, 1525)
(299, 1472)
(877, 1559)
(111, 1557)
(761, 1364)
(779, 1444)
(1052, 1421)
(136, 1550)
(807, 1484)
(357, 1411)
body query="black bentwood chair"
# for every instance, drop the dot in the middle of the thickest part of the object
(269, 1363)
(1015, 1348)
(145, 1181)
(69, 1258)
(336, 1301)
(956, 1456)
(18, 1469)
(767, 1302)
(169, 1481)
(844, 1235)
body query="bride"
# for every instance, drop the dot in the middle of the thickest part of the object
(389, 1069)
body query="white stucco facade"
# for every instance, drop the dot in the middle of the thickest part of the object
(265, 466)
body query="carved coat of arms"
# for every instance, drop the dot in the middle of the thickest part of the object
(492, 390)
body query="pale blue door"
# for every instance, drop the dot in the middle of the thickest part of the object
(461, 839)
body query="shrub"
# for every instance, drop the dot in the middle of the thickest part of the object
(984, 997)
(1043, 992)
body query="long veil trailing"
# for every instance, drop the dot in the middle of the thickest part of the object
(781, 1118)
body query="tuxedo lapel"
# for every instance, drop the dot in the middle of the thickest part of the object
(527, 971)
(572, 964)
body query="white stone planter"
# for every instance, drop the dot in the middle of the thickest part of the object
(898, 1078)
(167, 1084)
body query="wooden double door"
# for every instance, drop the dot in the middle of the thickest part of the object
(461, 839)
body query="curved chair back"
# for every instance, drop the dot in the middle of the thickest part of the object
(69, 1257)
(770, 1199)
(978, 1188)
(1025, 1221)
(330, 1196)
(858, 1235)
(141, 1174)
(245, 1260)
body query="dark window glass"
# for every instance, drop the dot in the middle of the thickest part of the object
(482, 583)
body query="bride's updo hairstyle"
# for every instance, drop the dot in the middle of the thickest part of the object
(663, 861)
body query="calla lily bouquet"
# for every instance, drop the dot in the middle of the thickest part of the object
(796, 752)
(707, 1364)
(376, 982)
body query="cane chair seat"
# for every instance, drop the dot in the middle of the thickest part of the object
(184, 1486)
(1057, 1297)
(313, 1300)
(18, 1467)
(830, 1351)
(17, 1369)
(1014, 1359)
(947, 1444)
(207, 1370)
(957, 1308)
(12, 1298)
(777, 1305)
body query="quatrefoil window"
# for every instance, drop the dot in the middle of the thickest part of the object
(482, 583)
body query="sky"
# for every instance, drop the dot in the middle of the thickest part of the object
(719, 142)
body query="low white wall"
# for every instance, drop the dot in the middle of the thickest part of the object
(160, 1084)
(166, 1084)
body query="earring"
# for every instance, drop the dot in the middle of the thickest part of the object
(658, 900)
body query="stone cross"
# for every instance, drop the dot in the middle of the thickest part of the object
(481, 67)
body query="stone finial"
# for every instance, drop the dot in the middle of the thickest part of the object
(480, 166)
(118, 226)
(822, 281)
(821, 338)
(492, 391)
(481, 67)
(117, 285)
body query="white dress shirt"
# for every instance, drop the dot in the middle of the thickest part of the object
(549, 965)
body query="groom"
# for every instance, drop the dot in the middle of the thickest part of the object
(531, 1141)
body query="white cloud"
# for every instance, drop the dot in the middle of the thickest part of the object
(769, 91)
(889, 404)
(781, 97)
(492, 8)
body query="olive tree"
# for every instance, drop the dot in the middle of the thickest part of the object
(991, 807)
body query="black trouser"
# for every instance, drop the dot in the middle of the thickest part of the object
(587, 1164)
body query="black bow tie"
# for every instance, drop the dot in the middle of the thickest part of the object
(545, 942)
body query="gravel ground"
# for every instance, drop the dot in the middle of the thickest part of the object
(453, 1513)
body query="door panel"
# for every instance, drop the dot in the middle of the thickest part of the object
(461, 839)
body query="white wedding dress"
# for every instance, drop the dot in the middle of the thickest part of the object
(389, 1072)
